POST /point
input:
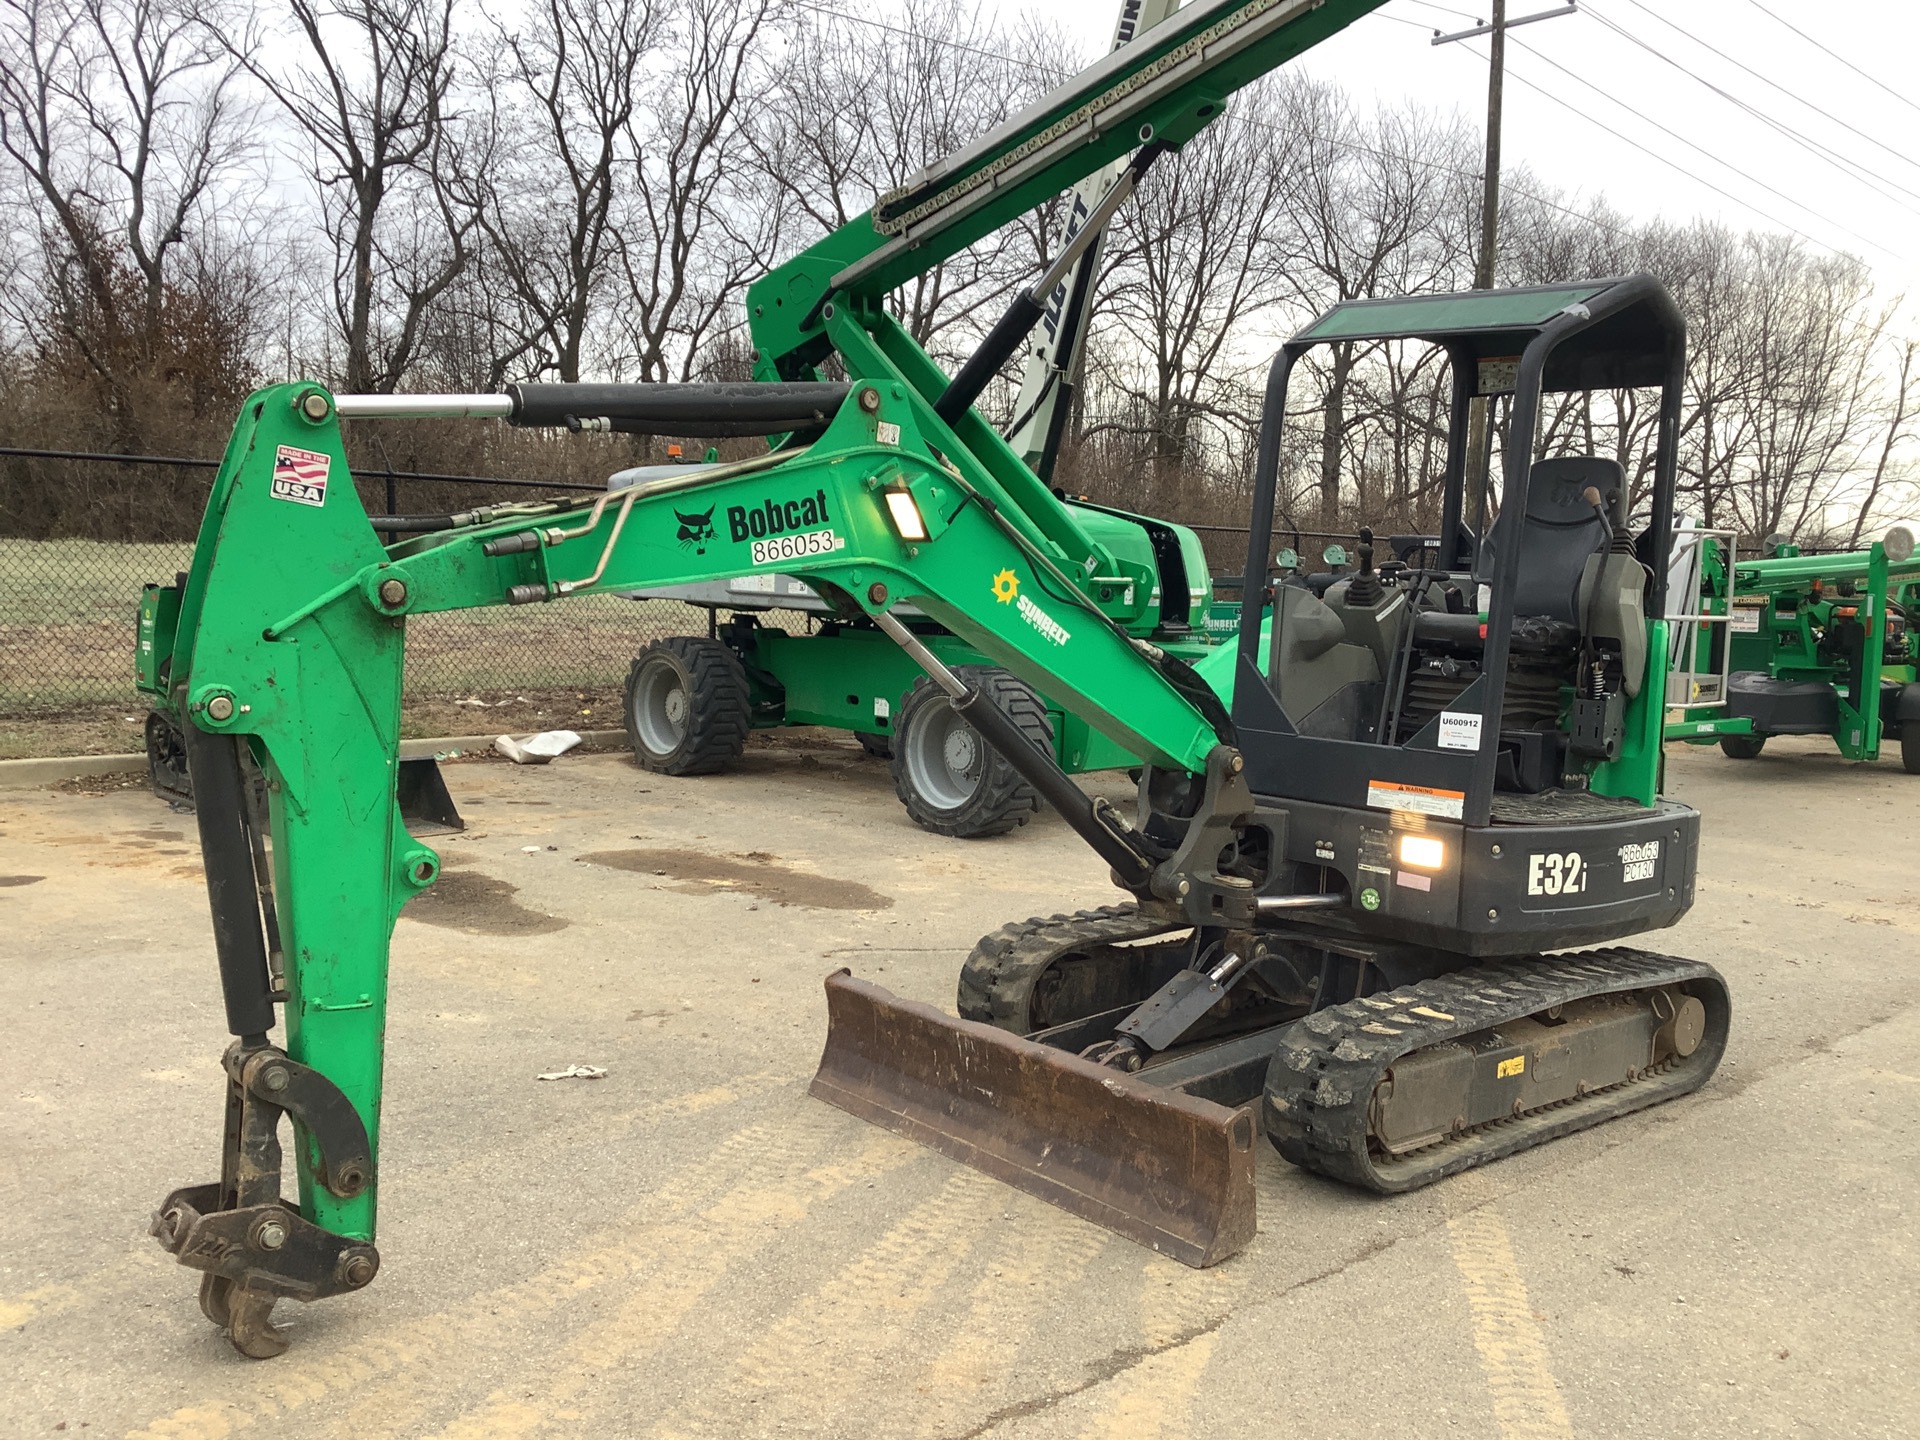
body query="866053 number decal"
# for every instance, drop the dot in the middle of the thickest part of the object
(795, 547)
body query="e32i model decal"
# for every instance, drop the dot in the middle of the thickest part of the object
(1554, 873)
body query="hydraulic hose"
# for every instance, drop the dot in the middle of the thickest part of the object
(219, 804)
(691, 410)
(413, 524)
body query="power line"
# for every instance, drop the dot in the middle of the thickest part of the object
(1583, 217)
(1443, 9)
(1694, 145)
(1819, 152)
(1873, 140)
(1231, 116)
(1673, 165)
(1871, 80)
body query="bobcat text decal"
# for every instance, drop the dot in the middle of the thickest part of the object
(776, 517)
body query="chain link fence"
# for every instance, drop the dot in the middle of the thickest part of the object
(68, 611)
(67, 622)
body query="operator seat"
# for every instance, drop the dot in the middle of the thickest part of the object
(1559, 531)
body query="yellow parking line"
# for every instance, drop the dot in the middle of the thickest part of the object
(1527, 1403)
(465, 1334)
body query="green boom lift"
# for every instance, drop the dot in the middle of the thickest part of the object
(1339, 889)
(1793, 644)
(691, 700)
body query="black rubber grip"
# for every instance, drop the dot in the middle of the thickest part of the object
(219, 806)
(691, 410)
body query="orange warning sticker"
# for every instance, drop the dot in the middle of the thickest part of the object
(1424, 799)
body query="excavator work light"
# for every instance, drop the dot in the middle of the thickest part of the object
(906, 514)
(1423, 852)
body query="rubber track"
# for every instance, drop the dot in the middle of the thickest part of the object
(1000, 971)
(1327, 1064)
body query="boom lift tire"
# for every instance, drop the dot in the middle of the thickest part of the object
(1742, 747)
(880, 747)
(1910, 748)
(951, 781)
(688, 709)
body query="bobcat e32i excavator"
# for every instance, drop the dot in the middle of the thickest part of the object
(1431, 772)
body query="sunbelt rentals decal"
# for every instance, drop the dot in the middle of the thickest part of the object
(1006, 589)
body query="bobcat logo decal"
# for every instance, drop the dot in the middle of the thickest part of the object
(695, 530)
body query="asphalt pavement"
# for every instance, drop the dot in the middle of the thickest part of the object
(691, 1246)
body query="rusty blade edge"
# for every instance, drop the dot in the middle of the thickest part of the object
(1164, 1169)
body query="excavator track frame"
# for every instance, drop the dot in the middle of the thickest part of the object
(1328, 1066)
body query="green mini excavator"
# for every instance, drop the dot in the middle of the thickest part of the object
(1341, 887)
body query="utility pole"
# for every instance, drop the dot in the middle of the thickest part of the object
(1478, 450)
(1490, 173)
(1496, 77)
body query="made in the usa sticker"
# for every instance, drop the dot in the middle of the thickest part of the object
(300, 475)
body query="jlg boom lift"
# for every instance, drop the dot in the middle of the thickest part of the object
(1339, 890)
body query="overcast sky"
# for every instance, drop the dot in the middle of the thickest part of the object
(1837, 186)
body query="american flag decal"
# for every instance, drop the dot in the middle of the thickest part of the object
(300, 475)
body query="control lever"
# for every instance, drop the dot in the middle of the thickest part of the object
(1598, 501)
(1365, 589)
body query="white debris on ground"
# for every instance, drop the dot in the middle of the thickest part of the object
(575, 1072)
(536, 749)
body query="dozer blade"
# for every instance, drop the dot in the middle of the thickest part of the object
(425, 806)
(1168, 1170)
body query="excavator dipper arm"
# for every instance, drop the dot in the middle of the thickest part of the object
(287, 665)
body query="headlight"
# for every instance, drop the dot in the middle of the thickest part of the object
(906, 514)
(1423, 852)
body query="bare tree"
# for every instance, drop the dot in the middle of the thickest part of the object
(857, 113)
(1900, 406)
(1810, 334)
(1376, 209)
(122, 118)
(693, 223)
(1198, 253)
(370, 96)
(564, 90)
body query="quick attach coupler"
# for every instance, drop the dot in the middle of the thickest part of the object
(254, 1247)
